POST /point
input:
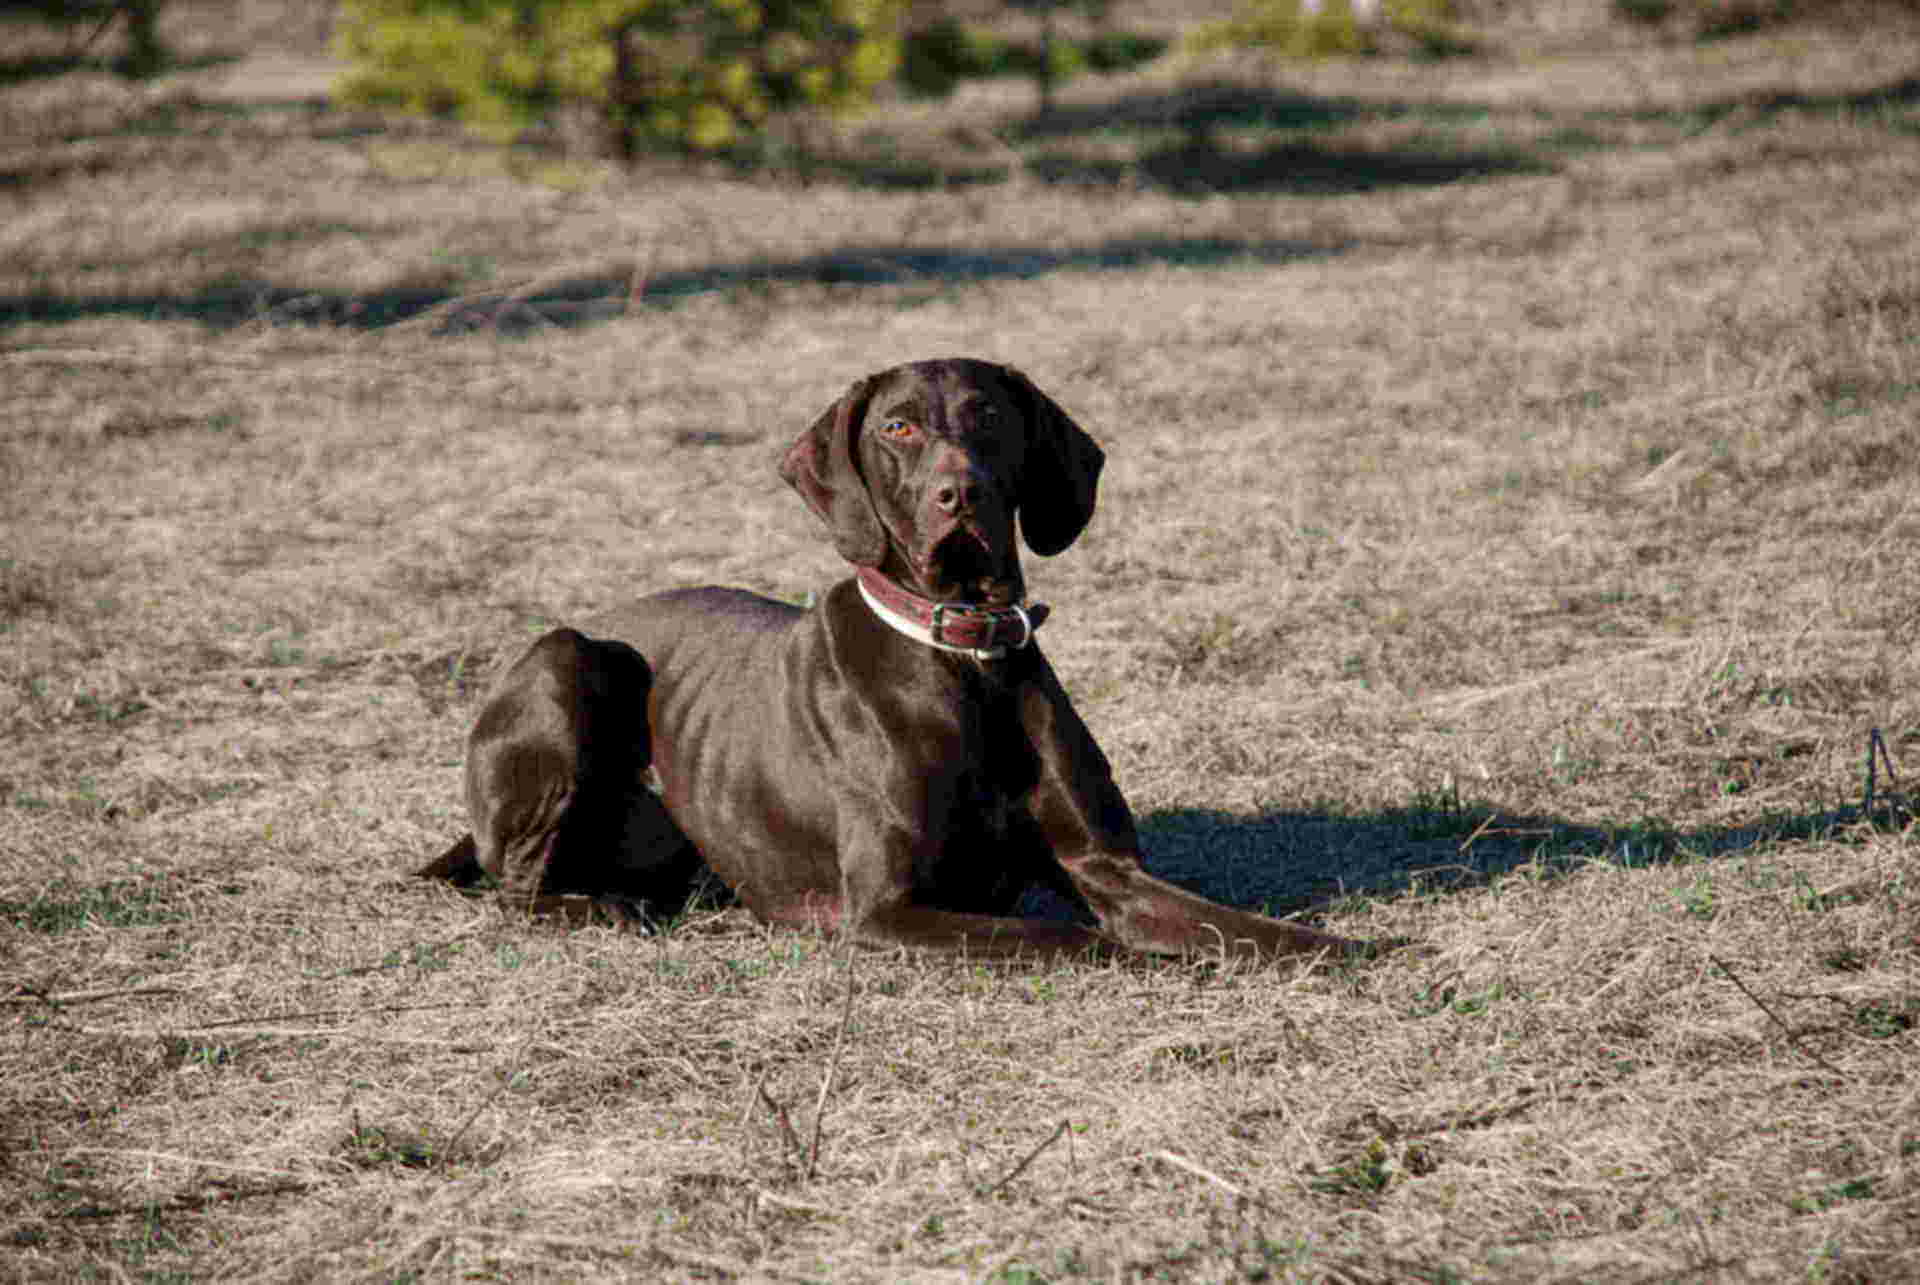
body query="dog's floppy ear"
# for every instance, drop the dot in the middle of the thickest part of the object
(820, 465)
(1060, 473)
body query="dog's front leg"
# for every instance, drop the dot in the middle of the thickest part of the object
(878, 907)
(1149, 914)
(1090, 830)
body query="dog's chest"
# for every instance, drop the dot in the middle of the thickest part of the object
(982, 864)
(989, 840)
(983, 810)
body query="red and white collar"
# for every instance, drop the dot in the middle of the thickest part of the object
(984, 633)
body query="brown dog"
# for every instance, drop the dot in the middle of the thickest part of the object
(898, 762)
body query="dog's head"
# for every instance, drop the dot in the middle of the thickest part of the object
(919, 471)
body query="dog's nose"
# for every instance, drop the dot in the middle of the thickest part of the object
(957, 484)
(956, 495)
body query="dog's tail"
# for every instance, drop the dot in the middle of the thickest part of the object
(458, 865)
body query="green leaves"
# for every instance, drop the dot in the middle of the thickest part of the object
(693, 76)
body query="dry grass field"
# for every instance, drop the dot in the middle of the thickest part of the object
(1509, 542)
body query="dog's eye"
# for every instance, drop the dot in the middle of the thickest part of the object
(900, 430)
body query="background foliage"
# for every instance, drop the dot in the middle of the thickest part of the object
(696, 74)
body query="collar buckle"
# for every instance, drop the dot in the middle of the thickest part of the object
(943, 625)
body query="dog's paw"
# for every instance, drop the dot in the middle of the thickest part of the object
(626, 914)
(1402, 947)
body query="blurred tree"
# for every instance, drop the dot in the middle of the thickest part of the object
(1048, 68)
(144, 55)
(691, 75)
(938, 51)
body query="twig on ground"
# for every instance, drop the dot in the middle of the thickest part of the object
(202, 1161)
(1762, 1006)
(26, 995)
(833, 1065)
(1877, 750)
(1466, 844)
(1200, 1171)
(1845, 575)
(637, 279)
(1873, 743)
(506, 1082)
(174, 1032)
(787, 1134)
(610, 1246)
(1028, 1159)
(755, 1094)
(1460, 704)
(788, 1202)
(330, 1012)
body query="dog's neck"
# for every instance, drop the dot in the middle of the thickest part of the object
(964, 628)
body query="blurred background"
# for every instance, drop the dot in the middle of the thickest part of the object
(772, 84)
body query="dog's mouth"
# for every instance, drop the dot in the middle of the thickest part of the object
(964, 566)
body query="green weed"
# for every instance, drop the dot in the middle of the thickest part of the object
(64, 906)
